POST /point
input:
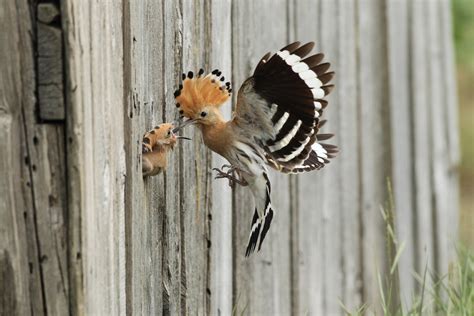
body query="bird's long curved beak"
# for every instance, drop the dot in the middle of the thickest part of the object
(182, 137)
(184, 124)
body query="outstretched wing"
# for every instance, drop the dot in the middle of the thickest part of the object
(280, 108)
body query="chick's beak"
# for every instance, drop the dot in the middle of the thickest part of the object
(178, 128)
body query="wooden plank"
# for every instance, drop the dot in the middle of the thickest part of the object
(97, 191)
(220, 262)
(401, 142)
(331, 174)
(194, 168)
(35, 174)
(308, 234)
(439, 141)
(451, 116)
(262, 282)
(373, 150)
(20, 281)
(425, 245)
(49, 63)
(349, 185)
(144, 94)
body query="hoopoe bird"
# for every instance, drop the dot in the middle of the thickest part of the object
(156, 146)
(275, 123)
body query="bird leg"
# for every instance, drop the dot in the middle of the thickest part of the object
(231, 175)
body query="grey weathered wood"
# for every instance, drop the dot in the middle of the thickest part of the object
(348, 132)
(144, 92)
(331, 206)
(82, 232)
(262, 282)
(96, 137)
(195, 185)
(451, 114)
(34, 245)
(221, 254)
(374, 137)
(440, 157)
(401, 143)
(19, 287)
(308, 235)
(50, 66)
(425, 252)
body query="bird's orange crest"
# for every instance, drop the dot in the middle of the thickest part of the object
(197, 92)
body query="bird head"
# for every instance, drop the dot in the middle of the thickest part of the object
(162, 136)
(199, 97)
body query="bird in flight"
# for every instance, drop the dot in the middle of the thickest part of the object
(276, 123)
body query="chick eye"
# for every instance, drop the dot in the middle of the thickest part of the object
(203, 114)
(169, 133)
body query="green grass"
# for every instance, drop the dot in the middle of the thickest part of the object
(451, 294)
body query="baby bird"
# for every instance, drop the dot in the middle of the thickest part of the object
(275, 123)
(156, 145)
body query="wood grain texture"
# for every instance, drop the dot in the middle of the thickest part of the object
(195, 185)
(439, 139)
(401, 143)
(81, 231)
(308, 234)
(21, 280)
(145, 199)
(375, 155)
(349, 179)
(451, 115)
(96, 136)
(423, 190)
(49, 61)
(220, 213)
(262, 281)
(35, 194)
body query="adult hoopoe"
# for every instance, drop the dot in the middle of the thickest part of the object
(276, 123)
(156, 145)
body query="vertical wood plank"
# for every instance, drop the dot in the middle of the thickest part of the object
(194, 171)
(349, 180)
(220, 264)
(373, 140)
(34, 244)
(439, 139)
(331, 174)
(262, 282)
(309, 236)
(425, 245)
(145, 201)
(451, 113)
(401, 140)
(20, 286)
(95, 106)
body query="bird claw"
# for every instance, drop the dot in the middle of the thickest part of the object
(230, 175)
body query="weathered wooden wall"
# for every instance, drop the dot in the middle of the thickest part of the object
(81, 232)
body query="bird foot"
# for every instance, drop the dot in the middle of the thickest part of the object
(231, 175)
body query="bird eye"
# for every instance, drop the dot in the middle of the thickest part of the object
(169, 133)
(203, 114)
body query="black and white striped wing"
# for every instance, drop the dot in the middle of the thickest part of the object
(282, 104)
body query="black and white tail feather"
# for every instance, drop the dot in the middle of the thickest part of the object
(281, 104)
(260, 222)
